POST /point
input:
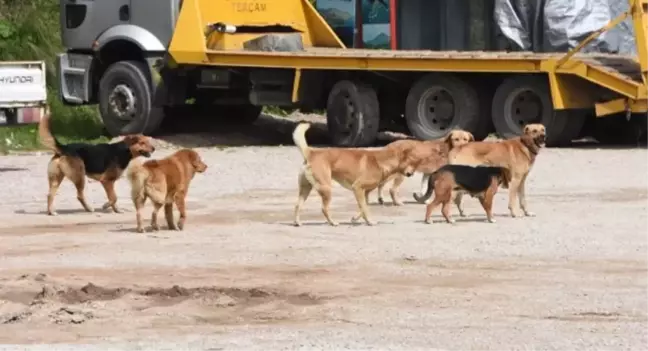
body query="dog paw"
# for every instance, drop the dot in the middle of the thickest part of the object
(52, 213)
(492, 220)
(155, 227)
(297, 224)
(461, 214)
(380, 201)
(451, 221)
(529, 214)
(334, 224)
(117, 210)
(180, 226)
(398, 203)
(140, 230)
(370, 223)
(106, 206)
(427, 221)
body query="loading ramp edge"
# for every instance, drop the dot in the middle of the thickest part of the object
(598, 75)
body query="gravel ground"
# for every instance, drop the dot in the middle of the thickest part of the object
(241, 277)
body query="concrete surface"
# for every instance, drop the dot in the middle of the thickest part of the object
(241, 277)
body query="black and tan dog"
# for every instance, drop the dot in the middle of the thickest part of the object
(102, 162)
(517, 155)
(450, 181)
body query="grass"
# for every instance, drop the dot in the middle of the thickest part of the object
(29, 30)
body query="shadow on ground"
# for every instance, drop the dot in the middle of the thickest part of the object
(268, 130)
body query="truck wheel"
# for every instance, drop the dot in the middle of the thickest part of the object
(125, 100)
(352, 114)
(438, 103)
(521, 100)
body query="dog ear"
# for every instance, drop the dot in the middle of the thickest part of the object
(471, 137)
(131, 139)
(526, 129)
(448, 138)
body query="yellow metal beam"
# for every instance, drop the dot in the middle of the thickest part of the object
(334, 61)
(639, 10)
(570, 92)
(607, 108)
(296, 84)
(614, 82)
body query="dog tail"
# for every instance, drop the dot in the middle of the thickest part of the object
(299, 138)
(505, 173)
(137, 176)
(422, 198)
(46, 137)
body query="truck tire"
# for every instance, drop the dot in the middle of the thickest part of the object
(521, 100)
(438, 103)
(125, 100)
(352, 114)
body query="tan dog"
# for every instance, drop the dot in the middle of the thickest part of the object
(517, 155)
(451, 180)
(434, 154)
(102, 162)
(165, 182)
(359, 170)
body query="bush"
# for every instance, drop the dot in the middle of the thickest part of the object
(30, 30)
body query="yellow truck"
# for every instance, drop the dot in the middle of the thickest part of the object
(231, 57)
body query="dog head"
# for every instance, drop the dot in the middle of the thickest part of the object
(537, 133)
(409, 161)
(458, 137)
(139, 145)
(196, 161)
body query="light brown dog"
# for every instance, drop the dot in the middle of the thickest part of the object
(450, 181)
(434, 154)
(359, 170)
(517, 155)
(102, 162)
(165, 182)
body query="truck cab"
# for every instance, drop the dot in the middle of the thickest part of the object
(111, 49)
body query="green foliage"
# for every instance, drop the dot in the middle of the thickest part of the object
(30, 30)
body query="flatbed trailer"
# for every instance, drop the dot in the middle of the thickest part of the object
(234, 54)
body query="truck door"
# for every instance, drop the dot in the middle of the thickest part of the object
(82, 21)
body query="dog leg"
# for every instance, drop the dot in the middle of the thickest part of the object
(139, 204)
(459, 204)
(109, 187)
(523, 203)
(431, 207)
(360, 198)
(445, 211)
(79, 183)
(514, 185)
(381, 200)
(305, 188)
(168, 215)
(180, 203)
(54, 177)
(487, 203)
(156, 208)
(325, 193)
(393, 192)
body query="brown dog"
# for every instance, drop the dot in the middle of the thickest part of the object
(166, 182)
(517, 155)
(359, 170)
(434, 154)
(102, 162)
(450, 181)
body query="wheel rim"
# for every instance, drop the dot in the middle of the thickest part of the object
(437, 109)
(522, 106)
(123, 103)
(345, 114)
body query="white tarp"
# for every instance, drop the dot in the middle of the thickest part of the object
(559, 25)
